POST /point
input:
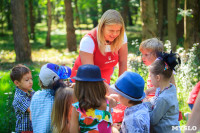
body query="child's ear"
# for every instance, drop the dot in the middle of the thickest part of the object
(16, 82)
(158, 77)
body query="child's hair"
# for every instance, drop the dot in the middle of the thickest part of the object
(134, 102)
(89, 94)
(152, 44)
(165, 64)
(62, 108)
(18, 72)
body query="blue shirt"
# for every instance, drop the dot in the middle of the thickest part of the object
(165, 113)
(41, 107)
(20, 104)
(136, 119)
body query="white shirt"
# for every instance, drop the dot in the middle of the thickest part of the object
(87, 44)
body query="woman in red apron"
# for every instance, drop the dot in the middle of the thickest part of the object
(105, 46)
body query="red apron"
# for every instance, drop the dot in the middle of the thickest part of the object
(105, 62)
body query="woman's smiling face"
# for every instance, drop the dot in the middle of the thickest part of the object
(111, 32)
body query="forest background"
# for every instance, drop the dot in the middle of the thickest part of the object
(35, 32)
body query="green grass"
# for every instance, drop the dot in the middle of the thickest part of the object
(59, 54)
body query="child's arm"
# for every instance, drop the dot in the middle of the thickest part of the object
(194, 119)
(28, 110)
(30, 116)
(158, 111)
(150, 90)
(74, 126)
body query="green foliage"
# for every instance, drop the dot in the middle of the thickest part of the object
(182, 13)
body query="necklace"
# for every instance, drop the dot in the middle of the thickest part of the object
(164, 90)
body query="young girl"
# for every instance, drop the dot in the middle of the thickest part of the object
(92, 112)
(61, 111)
(165, 111)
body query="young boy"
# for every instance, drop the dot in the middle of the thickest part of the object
(149, 49)
(130, 89)
(42, 101)
(22, 78)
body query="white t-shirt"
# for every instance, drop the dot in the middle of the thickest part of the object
(87, 44)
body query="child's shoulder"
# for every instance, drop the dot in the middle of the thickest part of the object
(42, 94)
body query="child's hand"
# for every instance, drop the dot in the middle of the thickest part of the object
(116, 126)
(150, 90)
(114, 96)
(72, 85)
(112, 102)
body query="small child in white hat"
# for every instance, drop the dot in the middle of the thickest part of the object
(51, 78)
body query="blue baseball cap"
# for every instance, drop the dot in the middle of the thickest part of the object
(52, 72)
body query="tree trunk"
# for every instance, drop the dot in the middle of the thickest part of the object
(180, 24)
(196, 12)
(130, 20)
(71, 37)
(20, 32)
(8, 15)
(172, 23)
(149, 27)
(32, 19)
(94, 13)
(125, 5)
(160, 19)
(165, 25)
(106, 4)
(77, 13)
(39, 16)
(189, 29)
(48, 38)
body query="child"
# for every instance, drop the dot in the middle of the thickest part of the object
(22, 78)
(192, 98)
(149, 49)
(130, 89)
(92, 111)
(165, 110)
(62, 108)
(193, 95)
(42, 101)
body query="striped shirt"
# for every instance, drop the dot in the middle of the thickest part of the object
(20, 104)
(41, 107)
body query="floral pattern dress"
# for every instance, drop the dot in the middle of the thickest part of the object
(94, 120)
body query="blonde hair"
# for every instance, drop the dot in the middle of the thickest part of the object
(61, 111)
(110, 17)
(152, 44)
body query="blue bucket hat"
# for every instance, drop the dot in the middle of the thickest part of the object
(88, 72)
(130, 85)
(52, 72)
